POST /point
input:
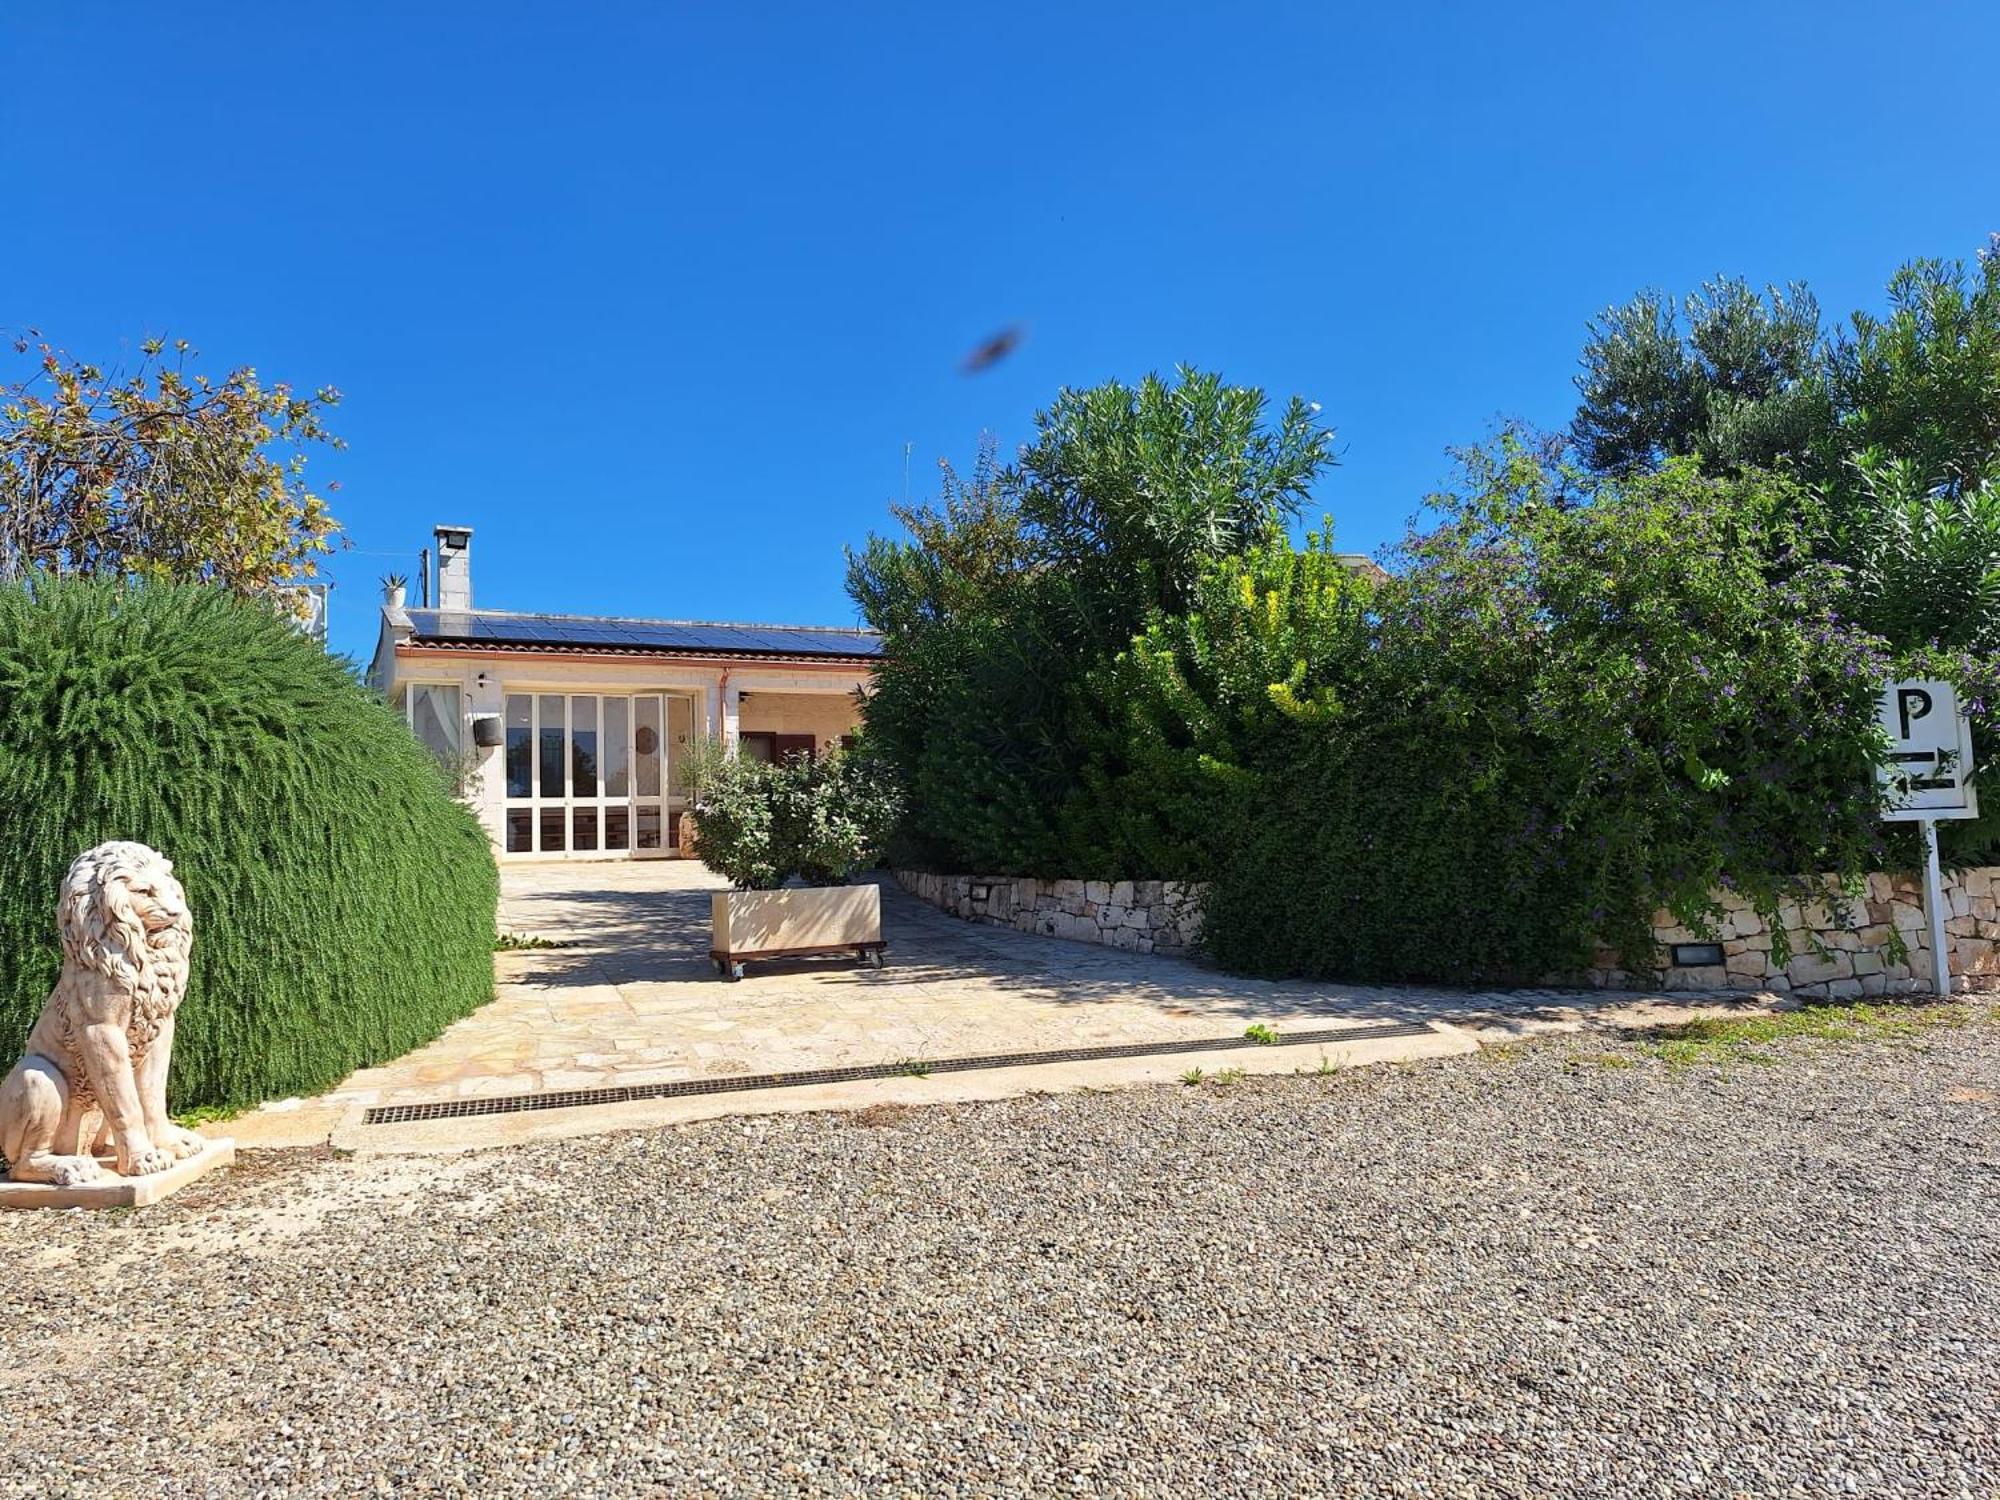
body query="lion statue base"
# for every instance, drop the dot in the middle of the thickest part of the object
(87, 1104)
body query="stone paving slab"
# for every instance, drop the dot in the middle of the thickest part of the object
(632, 997)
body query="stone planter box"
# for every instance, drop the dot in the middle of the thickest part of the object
(799, 923)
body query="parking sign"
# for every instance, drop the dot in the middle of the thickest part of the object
(1929, 774)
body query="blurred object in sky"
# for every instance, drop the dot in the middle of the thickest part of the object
(995, 349)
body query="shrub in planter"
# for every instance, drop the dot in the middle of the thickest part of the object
(732, 804)
(820, 818)
(343, 902)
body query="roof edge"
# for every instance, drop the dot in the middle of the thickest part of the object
(843, 660)
(551, 614)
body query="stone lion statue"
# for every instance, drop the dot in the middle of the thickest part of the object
(99, 1052)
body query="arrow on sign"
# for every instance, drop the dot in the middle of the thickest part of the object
(1935, 760)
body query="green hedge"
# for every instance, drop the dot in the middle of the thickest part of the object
(1563, 708)
(1553, 719)
(343, 903)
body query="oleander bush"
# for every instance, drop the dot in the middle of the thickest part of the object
(343, 901)
(1009, 601)
(817, 817)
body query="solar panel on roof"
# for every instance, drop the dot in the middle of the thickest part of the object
(657, 635)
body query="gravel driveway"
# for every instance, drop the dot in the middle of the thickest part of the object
(1564, 1269)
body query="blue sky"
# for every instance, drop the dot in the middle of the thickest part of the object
(654, 295)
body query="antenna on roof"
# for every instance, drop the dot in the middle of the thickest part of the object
(424, 576)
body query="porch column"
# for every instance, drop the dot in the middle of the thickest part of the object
(732, 717)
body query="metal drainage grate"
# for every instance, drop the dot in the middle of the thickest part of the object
(513, 1104)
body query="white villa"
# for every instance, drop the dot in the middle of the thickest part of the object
(573, 724)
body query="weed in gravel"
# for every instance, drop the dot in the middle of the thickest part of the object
(1577, 1061)
(1222, 1078)
(1722, 1039)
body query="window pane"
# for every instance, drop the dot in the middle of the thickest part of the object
(646, 748)
(680, 739)
(435, 718)
(520, 830)
(617, 828)
(617, 756)
(553, 706)
(585, 828)
(520, 741)
(552, 829)
(757, 746)
(583, 751)
(648, 820)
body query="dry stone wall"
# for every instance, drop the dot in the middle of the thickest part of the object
(1143, 916)
(1839, 948)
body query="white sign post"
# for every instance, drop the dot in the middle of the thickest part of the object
(1929, 777)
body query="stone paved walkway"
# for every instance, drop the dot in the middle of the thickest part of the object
(632, 999)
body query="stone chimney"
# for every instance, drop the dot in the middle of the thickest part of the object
(454, 553)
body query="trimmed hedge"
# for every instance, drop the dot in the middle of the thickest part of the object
(343, 902)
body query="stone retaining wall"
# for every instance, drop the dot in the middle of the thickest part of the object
(1145, 916)
(1841, 948)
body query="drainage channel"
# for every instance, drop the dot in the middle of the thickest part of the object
(688, 1088)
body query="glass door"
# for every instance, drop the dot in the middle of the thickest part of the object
(585, 773)
(649, 751)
